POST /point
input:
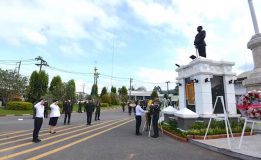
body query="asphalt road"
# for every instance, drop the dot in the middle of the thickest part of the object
(111, 138)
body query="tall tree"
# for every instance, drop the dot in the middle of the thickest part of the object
(113, 89)
(56, 87)
(157, 88)
(94, 91)
(70, 90)
(123, 93)
(38, 85)
(154, 94)
(12, 85)
(43, 81)
(104, 91)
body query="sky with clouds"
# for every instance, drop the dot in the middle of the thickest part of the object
(141, 39)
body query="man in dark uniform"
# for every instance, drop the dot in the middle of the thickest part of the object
(80, 107)
(67, 108)
(155, 118)
(98, 110)
(89, 106)
(46, 109)
(199, 42)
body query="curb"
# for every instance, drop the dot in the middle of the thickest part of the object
(174, 136)
(201, 137)
(12, 115)
(224, 151)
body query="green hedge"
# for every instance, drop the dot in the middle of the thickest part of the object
(18, 105)
(104, 104)
(199, 128)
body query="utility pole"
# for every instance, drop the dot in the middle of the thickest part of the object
(42, 62)
(18, 68)
(168, 87)
(96, 75)
(130, 88)
(83, 86)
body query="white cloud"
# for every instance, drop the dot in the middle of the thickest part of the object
(35, 37)
(157, 76)
(71, 49)
(73, 23)
(63, 18)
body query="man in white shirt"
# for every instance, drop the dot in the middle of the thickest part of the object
(38, 120)
(139, 113)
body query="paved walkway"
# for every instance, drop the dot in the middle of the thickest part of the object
(251, 146)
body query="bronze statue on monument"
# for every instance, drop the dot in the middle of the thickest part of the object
(200, 43)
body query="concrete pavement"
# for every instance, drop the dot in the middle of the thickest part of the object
(112, 138)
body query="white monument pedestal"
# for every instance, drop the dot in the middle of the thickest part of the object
(201, 71)
(253, 81)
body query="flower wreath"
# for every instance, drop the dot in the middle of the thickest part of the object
(250, 104)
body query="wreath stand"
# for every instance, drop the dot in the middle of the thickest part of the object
(225, 118)
(253, 121)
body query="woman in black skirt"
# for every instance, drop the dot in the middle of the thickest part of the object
(54, 115)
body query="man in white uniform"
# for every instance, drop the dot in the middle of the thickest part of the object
(139, 112)
(38, 120)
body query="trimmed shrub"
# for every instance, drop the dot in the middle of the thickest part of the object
(104, 104)
(114, 99)
(17, 99)
(106, 99)
(18, 105)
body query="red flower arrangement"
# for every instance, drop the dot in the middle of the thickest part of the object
(250, 104)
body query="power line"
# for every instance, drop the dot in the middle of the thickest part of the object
(67, 71)
(44, 63)
(14, 61)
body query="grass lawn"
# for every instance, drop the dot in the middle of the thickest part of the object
(75, 107)
(20, 112)
(15, 112)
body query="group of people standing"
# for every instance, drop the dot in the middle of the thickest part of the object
(151, 111)
(41, 112)
(39, 115)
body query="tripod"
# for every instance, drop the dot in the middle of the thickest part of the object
(146, 123)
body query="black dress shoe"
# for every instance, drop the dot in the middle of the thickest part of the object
(154, 136)
(36, 140)
(138, 134)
